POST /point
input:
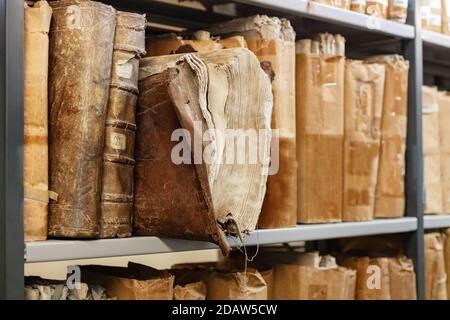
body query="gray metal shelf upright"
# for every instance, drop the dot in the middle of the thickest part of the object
(307, 17)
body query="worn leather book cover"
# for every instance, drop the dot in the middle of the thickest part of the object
(390, 189)
(241, 285)
(435, 272)
(364, 90)
(313, 277)
(197, 198)
(320, 133)
(444, 134)
(118, 155)
(35, 151)
(431, 151)
(81, 46)
(272, 40)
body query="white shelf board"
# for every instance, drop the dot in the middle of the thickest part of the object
(436, 222)
(336, 15)
(58, 250)
(436, 39)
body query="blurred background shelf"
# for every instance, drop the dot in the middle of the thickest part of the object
(57, 250)
(436, 222)
(436, 39)
(336, 15)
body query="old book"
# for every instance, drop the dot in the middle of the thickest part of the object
(242, 285)
(372, 277)
(118, 155)
(272, 41)
(81, 46)
(390, 188)
(398, 10)
(377, 8)
(430, 15)
(402, 279)
(364, 88)
(135, 282)
(435, 273)
(444, 134)
(200, 41)
(320, 132)
(205, 190)
(35, 151)
(431, 151)
(313, 277)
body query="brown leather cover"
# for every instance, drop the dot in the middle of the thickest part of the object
(35, 152)
(118, 154)
(170, 200)
(224, 91)
(81, 46)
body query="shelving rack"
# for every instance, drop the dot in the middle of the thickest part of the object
(367, 34)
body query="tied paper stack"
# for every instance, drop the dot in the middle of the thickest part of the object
(390, 194)
(320, 128)
(81, 48)
(200, 198)
(444, 134)
(118, 154)
(272, 40)
(35, 151)
(364, 89)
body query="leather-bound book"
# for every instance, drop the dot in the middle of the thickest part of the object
(81, 47)
(180, 191)
(118, 154)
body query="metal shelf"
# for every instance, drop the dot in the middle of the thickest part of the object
(436, 39)
(436, 222)
(57, 250)
(336, 15)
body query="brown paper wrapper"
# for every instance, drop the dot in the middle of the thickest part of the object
(300, 282)
(431, 151)
(320, 130)
(367, 285)
(363, 108)
(248, 285)
(390, 198)
(35, 166)
(137, 282)
(444, 134)
(435, 274)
